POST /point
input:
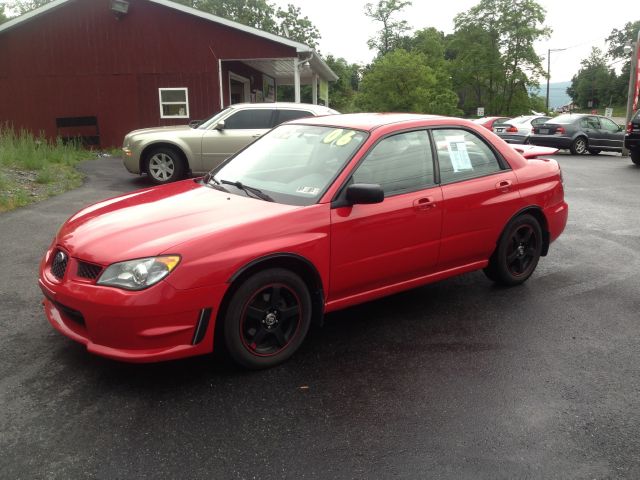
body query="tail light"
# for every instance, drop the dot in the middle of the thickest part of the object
(560, 130)
(534, 130)
(629, 127)
(512, 129)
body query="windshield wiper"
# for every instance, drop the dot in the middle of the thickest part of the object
(256, 192)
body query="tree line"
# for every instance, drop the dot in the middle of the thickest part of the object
(488, 61)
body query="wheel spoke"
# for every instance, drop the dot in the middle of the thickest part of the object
(258, 338)
(274, 298)
(512, 256)
(280, 339)
(530, 252)
(526, 236)
(255, 313)
(287, 313)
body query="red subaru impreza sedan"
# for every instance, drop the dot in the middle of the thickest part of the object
(317, 215)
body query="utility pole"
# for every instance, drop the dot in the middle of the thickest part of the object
(633, 88)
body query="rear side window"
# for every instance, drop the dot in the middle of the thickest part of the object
(286, 115)
(463, 155)
(259, 118)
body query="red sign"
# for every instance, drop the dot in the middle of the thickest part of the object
(637, 85)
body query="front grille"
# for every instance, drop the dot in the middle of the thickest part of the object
(88, 270)
(59, 264)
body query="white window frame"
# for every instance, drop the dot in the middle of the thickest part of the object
(186, 102)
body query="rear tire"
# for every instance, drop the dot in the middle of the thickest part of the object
(579, 146)
(635, 156)
(517, 253)
(164, 165)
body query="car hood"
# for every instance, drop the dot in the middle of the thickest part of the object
(159, 130)
(156, 220)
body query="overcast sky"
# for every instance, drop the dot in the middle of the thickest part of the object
(577, 25)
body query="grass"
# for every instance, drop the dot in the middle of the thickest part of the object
(32, 168)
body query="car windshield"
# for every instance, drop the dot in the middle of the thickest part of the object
(292, 164)
(213, 120)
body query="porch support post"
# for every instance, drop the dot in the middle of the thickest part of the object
(314, 89)
(296, 79)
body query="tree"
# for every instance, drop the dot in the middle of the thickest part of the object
(619, 38)
(24, 6)
(402, 81)
(594, 84)
(3, 17)
(392, 30)
(342, 92)
(262, 15)
(503, 32)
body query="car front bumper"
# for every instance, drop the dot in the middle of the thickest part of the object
(159, 323)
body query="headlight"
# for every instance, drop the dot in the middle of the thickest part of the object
(138, 274)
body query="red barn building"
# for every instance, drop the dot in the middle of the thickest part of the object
(100, 68)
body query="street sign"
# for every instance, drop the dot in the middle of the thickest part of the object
(608, 112)
(480, 111)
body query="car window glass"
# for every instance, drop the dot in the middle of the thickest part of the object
(539, 121)
(463, 155)
(286, 115)
(593, 122)
(249, 119)
(608, 125)
(400, 163)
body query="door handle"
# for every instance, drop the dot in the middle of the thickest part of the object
(424, 203)
(503, 186)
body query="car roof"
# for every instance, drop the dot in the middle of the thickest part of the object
(371, 121)
(284, 105)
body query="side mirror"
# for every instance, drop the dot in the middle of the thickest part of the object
(195, 123)
(364, 193)
(220, 125)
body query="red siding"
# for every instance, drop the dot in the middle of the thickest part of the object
(80, 60)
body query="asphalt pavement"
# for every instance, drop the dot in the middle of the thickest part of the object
(459, 379)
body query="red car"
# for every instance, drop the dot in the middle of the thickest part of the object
(315, 216)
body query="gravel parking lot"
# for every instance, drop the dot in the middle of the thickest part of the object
(459, 379)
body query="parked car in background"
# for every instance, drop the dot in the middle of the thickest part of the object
(490, 122)
(317, 215)
(632, 138)
(580, 133)
(167, 154)
(518, 129)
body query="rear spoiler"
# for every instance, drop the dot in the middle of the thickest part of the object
(533, 151)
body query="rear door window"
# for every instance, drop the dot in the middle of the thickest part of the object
(250, 119)
(463, 155)
(287, 115)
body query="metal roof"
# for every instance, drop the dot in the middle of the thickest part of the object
(307, 52)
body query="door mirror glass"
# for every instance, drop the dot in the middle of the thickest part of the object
(220, 125)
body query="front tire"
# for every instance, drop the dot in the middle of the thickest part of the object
(267, 318)
(517, 253)
(635, 156)
(164, 165)
(579, 146)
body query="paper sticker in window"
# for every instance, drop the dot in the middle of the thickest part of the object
(308, 190)
(458, 153)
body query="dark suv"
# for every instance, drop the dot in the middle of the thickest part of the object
(632, 138)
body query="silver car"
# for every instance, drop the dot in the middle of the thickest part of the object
(518, 129)
(167, 154)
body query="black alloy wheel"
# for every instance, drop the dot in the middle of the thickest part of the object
(579, 146)
(517, 253)
(267, 319)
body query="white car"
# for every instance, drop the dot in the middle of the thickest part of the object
(518, 129)
(167, 154)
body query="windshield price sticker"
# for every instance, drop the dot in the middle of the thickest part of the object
(308, 190)
(339, 137)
